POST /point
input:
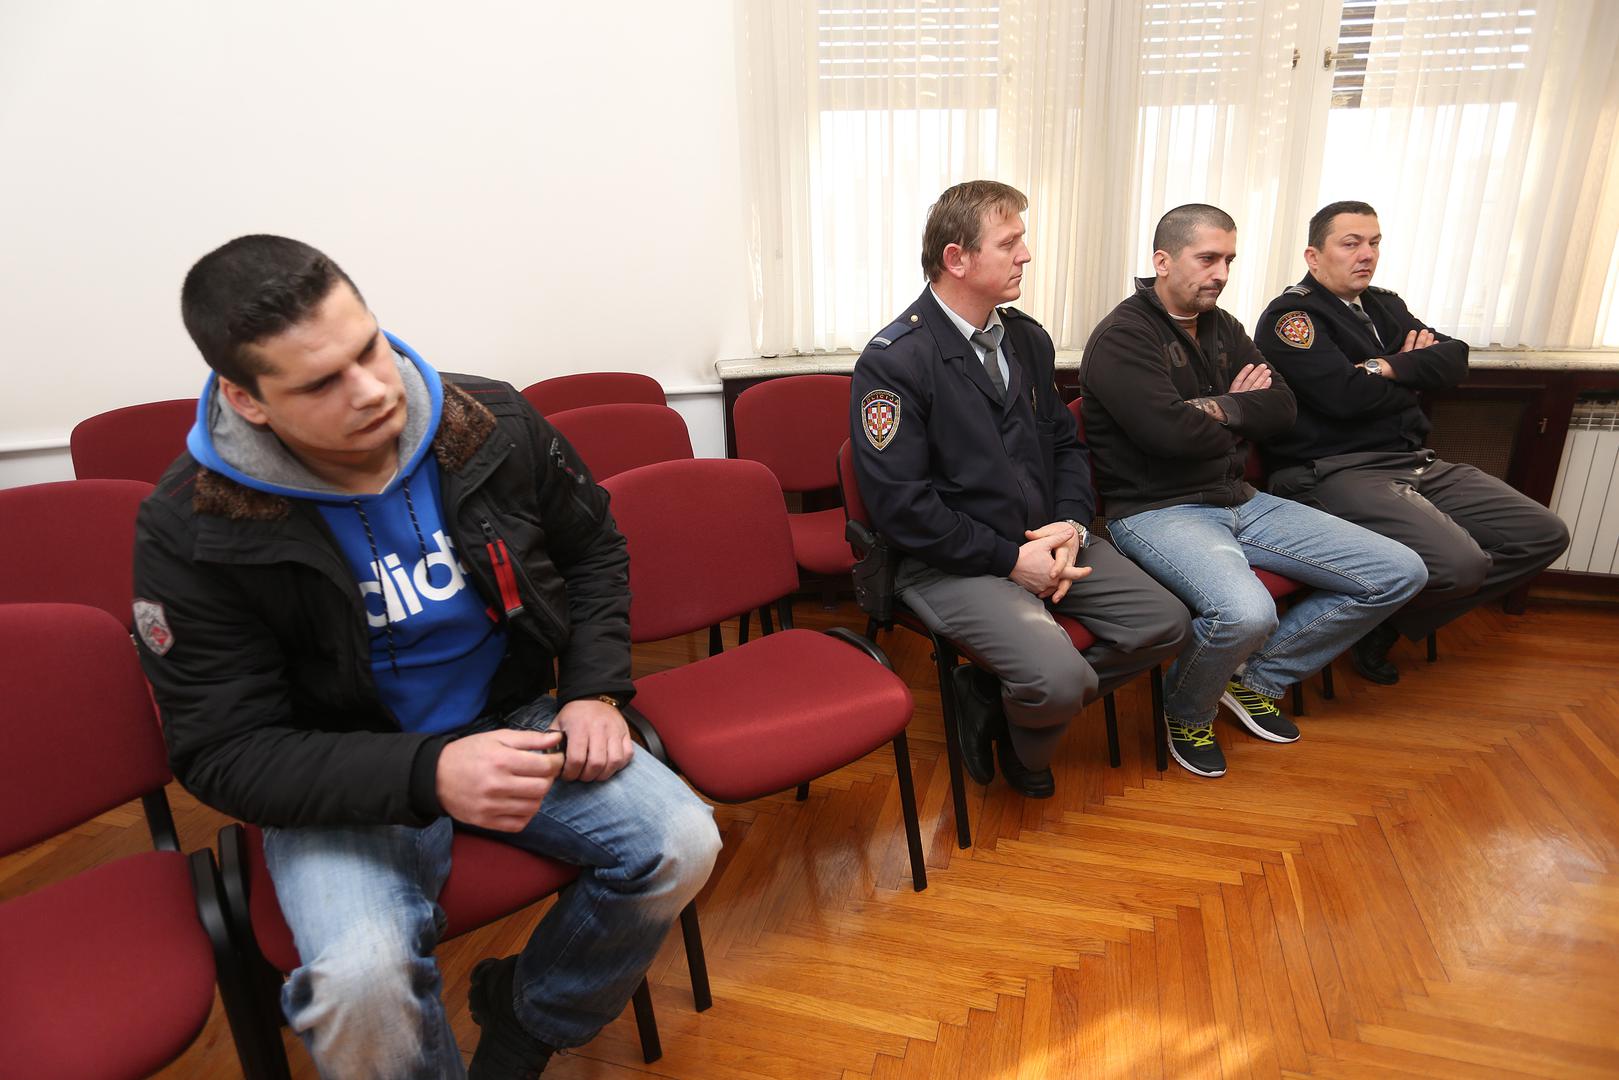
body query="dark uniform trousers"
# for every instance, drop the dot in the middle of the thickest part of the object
(1044, 680)
(1480, 538)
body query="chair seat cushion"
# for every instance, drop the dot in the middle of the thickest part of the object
(774, 713)
(1277, 585)
(488, 880)
(818, 542)
(106, 974)
(1081, 637)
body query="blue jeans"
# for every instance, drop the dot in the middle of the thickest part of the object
(362, 904)
(1206, 555)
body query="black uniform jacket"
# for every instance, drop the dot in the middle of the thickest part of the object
(950, 473)
(1152, 448)
(1313, 338)
(268, 702)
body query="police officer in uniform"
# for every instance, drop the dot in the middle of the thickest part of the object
(970, 466)
(1357, 360)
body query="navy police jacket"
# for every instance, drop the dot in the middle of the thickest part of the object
(1311, 337)
(949, 473)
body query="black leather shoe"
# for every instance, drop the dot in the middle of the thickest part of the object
(506, 1051)
(1030, 783)
(979, 718)
(1370, 656)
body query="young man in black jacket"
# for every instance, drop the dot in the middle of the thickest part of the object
(1358, 360)
(969, 464)
(353, 594)
(1174, 392)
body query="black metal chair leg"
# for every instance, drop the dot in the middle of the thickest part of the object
(1433, 647)
(1298, 699)
(803, 791)
(696, 962)
(871, 631)
(1327, 693)
(945, 659)
(716, 643)
(784, 612)
(1160, 727)
(1111, 710)
(765, 624)
(907, 806)
(646, 1023)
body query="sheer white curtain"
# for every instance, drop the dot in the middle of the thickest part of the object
(1485, 137)
(857, 113)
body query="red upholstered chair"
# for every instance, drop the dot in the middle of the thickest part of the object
(137, 442)
(488, 881)
(613, 438)
(111, 972)
(708, 539)
(795, 426)
(947, 653)
(593, 388)
(71, 542)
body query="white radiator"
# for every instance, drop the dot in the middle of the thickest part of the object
(1587, 493)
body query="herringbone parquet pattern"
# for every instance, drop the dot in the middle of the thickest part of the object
(1426, 885)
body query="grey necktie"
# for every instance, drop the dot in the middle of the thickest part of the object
(990, 341)
(1360, 313)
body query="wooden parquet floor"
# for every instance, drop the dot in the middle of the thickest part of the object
(1426, 885)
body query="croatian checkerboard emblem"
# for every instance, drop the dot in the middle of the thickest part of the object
(1296, 329)
(879, 413)
(153, 626)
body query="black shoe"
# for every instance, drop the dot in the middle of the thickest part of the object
(506, 1051)
(979, 719)
(1030, 783)
(1370, 655)
(1258, 713)
(1194, 749)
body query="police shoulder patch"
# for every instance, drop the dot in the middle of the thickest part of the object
(1010, 312)
(152, 624)
(1380, 289)
(879, 417)
(1296, 329)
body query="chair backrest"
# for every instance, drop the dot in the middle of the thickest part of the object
(614, 438)
(1077, 407)
(708, 539)
(794, 425)
(134, 443)
(71, 542)
(78, 726)
(854, 505)
(593, 388)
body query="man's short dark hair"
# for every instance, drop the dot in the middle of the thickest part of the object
(250, 289)
(1176, 228)
(1321, 224)
(958, 217)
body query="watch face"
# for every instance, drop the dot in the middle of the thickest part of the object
(1374, 366)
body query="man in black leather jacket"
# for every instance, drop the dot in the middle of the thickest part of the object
(353, 593)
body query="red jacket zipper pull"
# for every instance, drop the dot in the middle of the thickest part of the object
(505, 576)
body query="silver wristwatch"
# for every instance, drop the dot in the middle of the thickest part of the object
(1374, 366)
(1084, 533)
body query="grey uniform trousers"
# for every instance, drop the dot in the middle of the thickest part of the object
(1044, 680)
(1480, 538)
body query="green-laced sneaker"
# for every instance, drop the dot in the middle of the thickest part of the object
(1194, 748)
(1258, 713)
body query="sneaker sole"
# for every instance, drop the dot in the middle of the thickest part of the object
(1188, 766)
(1248, 722)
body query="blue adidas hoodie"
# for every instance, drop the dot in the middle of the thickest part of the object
(434, 649)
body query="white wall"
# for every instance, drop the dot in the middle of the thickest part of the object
(520, 189)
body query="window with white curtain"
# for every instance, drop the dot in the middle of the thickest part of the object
(1483, 130)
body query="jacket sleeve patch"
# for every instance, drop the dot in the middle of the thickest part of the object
(1296, 329)
(879, 417)
(153, 626)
